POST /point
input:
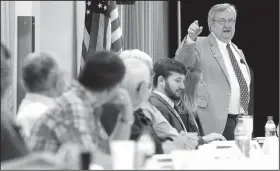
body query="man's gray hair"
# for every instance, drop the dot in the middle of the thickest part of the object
(137, 54)
(219, 8)
(37, 70)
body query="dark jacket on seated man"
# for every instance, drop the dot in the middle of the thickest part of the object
(177, 119)
(109, 119)
(167, 111)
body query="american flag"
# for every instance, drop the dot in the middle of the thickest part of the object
(102, 28)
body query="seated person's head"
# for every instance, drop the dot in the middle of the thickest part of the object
(41, 74)
(137, 80)
(102, 74)
(137, 54)
(169, 76)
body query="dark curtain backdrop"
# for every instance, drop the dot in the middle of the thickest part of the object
(257, 34)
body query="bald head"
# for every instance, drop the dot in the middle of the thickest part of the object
(137, 80)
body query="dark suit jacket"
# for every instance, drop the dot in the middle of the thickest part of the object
(109, 119)
(167, 111)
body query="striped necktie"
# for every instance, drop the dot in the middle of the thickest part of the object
(244, 92)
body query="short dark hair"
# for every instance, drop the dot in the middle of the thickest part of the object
(102, 70)
(164, 67)
(36, 70)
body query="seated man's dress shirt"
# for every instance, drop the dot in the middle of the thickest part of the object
(31, 108)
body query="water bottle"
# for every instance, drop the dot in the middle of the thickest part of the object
(270, 127)
(271, 141)
(242, 138)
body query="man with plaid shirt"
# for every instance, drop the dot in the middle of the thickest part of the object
(75, 116)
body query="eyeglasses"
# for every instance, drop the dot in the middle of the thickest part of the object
(223, 21)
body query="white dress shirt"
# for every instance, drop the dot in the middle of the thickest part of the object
(31, 108)
(234, 102)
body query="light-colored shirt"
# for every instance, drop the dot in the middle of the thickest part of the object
(234, 102)
(161, 126)
(171, 103)
(31, 108)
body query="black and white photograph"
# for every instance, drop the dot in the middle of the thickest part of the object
(140, 85)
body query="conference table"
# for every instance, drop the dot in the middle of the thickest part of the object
(219, 155)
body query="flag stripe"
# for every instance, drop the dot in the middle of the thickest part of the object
(106, 25)
(114, 14)
(82, 62)
(86, 38)
(115, 25)
(117, 45)
(108, 36)
(93, 33)
(116, 34)
(119, 52)
(84, 52)
(100, 35)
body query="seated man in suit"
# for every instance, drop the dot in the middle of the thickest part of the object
(169, 86)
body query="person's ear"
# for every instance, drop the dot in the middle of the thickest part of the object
(161, 81)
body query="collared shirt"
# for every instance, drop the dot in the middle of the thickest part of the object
(234, 102)
(161, 126)
(171, 103)
(72, 119)
(31, 108)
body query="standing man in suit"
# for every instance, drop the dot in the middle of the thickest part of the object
(227, 78)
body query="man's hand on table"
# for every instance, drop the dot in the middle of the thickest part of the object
(213, 137)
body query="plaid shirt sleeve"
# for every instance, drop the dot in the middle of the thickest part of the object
(67, 124)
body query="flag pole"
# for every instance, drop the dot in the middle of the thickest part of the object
(179, 21)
